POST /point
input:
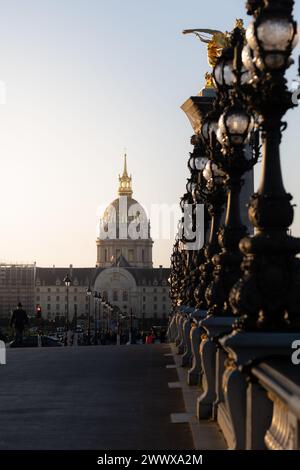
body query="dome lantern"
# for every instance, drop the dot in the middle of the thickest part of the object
(125, 188)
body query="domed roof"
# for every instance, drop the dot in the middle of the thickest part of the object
(125, 209)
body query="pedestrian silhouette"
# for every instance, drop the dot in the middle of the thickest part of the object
(18, 321)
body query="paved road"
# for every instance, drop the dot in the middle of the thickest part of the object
(104, 397)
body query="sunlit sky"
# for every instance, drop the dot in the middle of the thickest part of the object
(86, 79)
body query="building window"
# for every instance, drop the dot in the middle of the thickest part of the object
(104, 295)
(48, 298)
(38, 298)
(57, 298)
(155, 307)
(164, 307)
(49, 289)
(155, 298)
(143, 255)
(144, 290)
(154, 290)
(75, 290)
(125, 296)
(48, 307)
(57, 289)
(164, 290)
(57, 307)
(38, 289)
(118, 253)
(75, 298)
(144, 299)
(144, 307)
(115, 296)
(105, 255)
(164, 298)
(130, 255)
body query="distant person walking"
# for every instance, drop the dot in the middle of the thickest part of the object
(19, 321)
(149, 338)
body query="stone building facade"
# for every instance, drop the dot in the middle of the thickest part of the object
(123, 274)
(17, 284)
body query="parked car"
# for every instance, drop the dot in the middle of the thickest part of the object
(32, 342)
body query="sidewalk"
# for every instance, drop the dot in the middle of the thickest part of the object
(206, 434)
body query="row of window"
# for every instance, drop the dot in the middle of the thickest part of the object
(118, 253)
(154, 307)
(75, 306)
(75, 290)
(58, 290)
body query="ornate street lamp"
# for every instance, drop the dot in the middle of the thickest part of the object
(97, 298)
(89, 294)
(234, 131)
(214, 192)
(67, 282)
(268, 295)
(272, 36)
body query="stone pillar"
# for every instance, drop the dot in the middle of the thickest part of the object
(186, 359)
(194, 374)
(258, 416)
(178, 323)
(243, 348)
(214, 327)
(180, 347)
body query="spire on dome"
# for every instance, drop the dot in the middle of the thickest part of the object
(125, 181)
(125, 165)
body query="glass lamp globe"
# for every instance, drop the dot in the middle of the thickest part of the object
(247, 58)
(217, 172)
(207, 172)
(213, 128)
(205, 131)
(251, 36)
(229, 76)
(189, 186)
(200, 163)
(277, 34)
(271, 41)
(223, 73)
(235, 127)
(218, 73)
(191, 163)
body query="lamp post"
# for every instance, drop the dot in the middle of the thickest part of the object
(97, 297)
(267, 297)
(211, 189)
(88, 294)
(67, 282)
(233, 133)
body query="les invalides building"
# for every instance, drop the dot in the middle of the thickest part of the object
(123, 274)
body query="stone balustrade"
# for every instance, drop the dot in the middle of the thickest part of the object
(247, 381)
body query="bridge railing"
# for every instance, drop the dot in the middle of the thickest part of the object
(247, 382)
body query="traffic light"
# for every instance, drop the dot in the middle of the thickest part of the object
(38, 311)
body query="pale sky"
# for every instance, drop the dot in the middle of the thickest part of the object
(85, 79)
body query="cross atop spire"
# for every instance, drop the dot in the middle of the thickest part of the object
(125, 181)
(125, 165)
